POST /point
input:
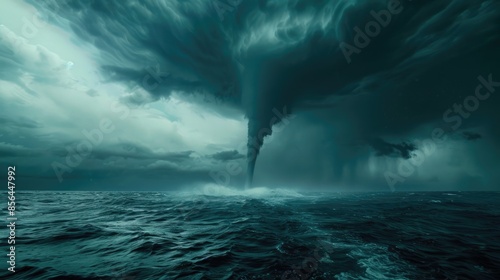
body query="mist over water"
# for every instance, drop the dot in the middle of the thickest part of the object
(214, 232)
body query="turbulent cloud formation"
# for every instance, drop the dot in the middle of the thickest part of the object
(227, 155)
(371, 74)
(383, 148)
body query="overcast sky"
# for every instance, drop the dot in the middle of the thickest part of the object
(331, 95)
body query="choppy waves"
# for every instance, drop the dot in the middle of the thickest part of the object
(219, 233)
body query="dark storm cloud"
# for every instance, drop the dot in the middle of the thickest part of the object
(426, 58)
(384, 148)
(152, 79)
(10, 150)
(92, 93)
(172, 157)
(22, 122)
(186, 42)
(471, 136)
(227, 155)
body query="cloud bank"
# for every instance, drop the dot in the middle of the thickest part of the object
(393, 85)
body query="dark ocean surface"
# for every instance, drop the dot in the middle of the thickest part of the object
(255, 234)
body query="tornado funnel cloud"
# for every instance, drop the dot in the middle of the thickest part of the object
(259, 128)
(256, 134)
(250, 171)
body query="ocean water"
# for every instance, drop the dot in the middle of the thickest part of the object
(217, 233)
